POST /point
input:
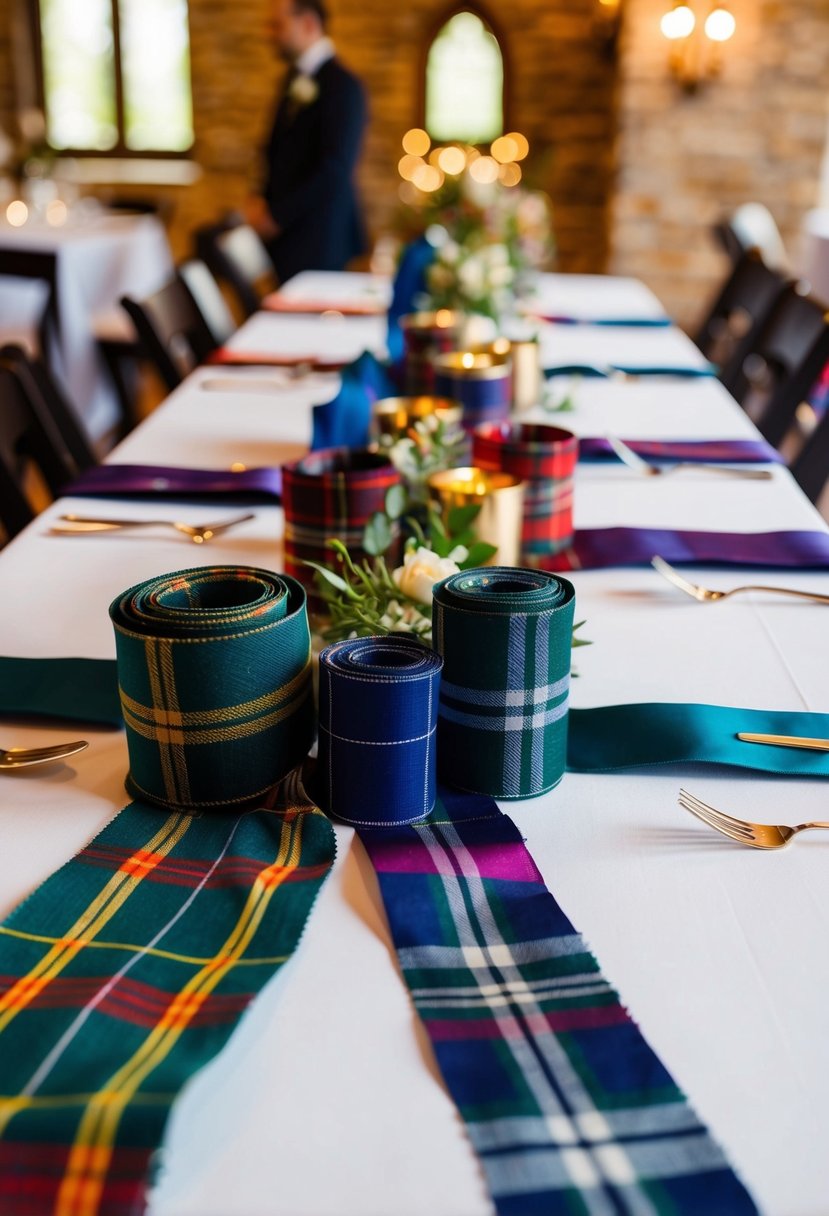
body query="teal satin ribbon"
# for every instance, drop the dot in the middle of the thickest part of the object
(615, 737)
(78, 690)
(214, 673)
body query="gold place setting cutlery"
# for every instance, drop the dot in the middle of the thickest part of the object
(23, 757)
(199, 534)
(634, 461)
(745, 831)
(707, 595)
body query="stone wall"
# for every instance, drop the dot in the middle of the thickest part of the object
(755, 133)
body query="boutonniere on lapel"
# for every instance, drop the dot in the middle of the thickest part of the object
(302, 91)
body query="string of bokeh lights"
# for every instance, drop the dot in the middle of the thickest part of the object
(424, 167)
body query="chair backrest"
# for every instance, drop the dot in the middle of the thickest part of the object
(810, 468)
(237, 255)
(171, 331)
(36, 264)
(28, 440)
(752, 226)
(46, 398)
(207, 296)
(734, 319)
(784, 362)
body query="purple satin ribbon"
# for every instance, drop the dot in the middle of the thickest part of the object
(598, 548)
(711, 451)
(166, 481)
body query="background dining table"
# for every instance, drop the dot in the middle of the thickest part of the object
(327, 1100)
(101, 256)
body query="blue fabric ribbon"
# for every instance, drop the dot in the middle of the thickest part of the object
(409, 282)
(378, 717)
(345, 422)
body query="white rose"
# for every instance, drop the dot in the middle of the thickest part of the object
(420, 571)
(304, 90)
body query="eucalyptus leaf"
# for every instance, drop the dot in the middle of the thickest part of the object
(479, 553)
(377, 535)
(396, 499)
(330, 577)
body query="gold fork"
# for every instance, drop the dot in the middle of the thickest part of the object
(756, 835)
(634, 461)
(22, 757)
(707, 595)
(81, 525)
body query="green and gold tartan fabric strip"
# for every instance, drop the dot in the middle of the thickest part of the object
(569, 1109)
(124, 974)
(214, 670)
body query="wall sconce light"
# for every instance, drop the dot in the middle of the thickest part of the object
(696, 49)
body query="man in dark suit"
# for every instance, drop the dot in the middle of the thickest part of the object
(308, 212)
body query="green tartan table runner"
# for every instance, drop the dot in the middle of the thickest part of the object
(124, 974)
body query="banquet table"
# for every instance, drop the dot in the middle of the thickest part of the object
(327, 1100)
(100, 257)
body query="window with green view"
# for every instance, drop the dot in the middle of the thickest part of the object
(116, 75)
(465, 83)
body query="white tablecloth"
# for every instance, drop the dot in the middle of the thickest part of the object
(99, 260)
(327, 1101)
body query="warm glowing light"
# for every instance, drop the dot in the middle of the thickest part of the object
(428, 179)
(720, 25)
(416, 142)
(407, 166)
(452, 160)
(679, 22)
(484, 170)
(444, 317)
(238, 467)
(522, 144)
(509, 175)
(17, 213)
(434, 157)
(408, 194)
(57, 213)
(468, 360)
(472, 154)
(504, 149)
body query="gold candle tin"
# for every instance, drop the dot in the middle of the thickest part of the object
(394, 416)
(501, 499)
(426, 334)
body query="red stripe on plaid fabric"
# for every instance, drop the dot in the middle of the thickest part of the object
(130, 1000)
(189, 873)
(591, 1018)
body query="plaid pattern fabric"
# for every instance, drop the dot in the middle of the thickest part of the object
(484, 398)
(124, 974)
(214, 672)
(544, 457)
(377, 721)
(569, 1109)
(327, 495)
(505, 637)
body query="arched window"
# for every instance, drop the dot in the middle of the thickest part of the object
(115, 74)
(465, 82)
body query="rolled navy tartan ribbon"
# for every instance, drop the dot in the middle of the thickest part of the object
(377, 725)
(505, 636)
(214, 674)
(544, 457)
(327, 495)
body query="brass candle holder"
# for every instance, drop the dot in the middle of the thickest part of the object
(393, 416)
(501, 499)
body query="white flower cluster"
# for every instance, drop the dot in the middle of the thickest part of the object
(477, 279)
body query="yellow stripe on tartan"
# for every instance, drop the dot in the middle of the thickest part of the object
(195, 960)
(101, 910)
(167, 770)
(209, 717)
(168, 680)
(82, 1186)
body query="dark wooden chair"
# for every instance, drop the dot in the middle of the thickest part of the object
(810, 468)
(752, 226)
(737, 314)
(237, 255)
(207, 296)
(784, 362)
(171, 331)
(47, 400)
(30, 444)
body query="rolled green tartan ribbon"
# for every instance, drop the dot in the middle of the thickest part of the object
(214, 675)
(505, 636)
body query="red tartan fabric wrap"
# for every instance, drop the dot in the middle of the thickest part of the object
(544, 457)
(330, 495)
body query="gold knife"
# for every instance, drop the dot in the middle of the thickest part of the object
(813, 745)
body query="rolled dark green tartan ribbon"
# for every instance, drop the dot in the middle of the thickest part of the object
(214, 675)
(505, 636)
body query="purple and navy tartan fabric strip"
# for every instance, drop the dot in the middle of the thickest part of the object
(569, 1109)
(544, 457)
(127, 972)
(708, 451)
(600, 548)
(330, 494)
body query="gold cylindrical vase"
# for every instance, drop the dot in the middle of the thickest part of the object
(393, 416)
(501, 499)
